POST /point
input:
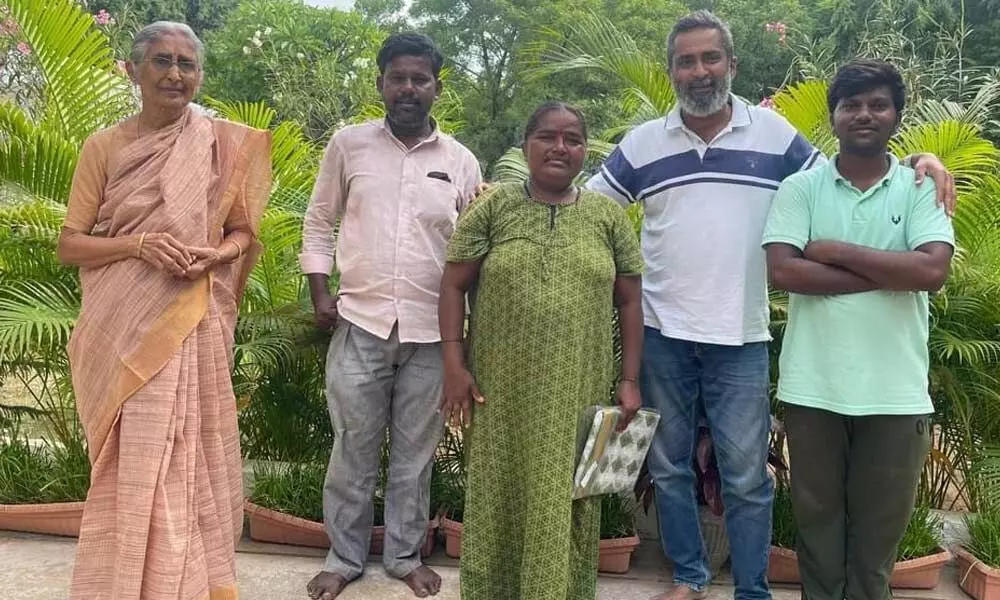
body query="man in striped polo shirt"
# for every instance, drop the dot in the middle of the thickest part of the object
(706, 174)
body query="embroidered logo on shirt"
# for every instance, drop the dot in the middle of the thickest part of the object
(896, 219)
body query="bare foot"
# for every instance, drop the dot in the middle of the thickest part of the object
(423, 582)
(681, 592)
(326, 586)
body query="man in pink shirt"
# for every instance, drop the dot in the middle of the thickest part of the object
(396, 186)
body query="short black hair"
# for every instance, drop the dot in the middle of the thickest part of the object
(410, 44)
(700, 19)
(863, 75)
(552, 105)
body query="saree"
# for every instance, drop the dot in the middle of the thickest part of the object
(150, 359)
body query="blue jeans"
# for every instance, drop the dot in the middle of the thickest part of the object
(731, 384)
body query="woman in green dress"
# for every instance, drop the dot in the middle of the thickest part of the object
(548, 264)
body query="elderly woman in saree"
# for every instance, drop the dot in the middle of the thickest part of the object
(162, 221)
(550, 264)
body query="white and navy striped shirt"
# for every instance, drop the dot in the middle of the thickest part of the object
(705, 206)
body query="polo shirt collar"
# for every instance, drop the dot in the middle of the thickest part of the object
(741, 116)
(838, 178)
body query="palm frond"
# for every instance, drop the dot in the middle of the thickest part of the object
(595, 43)
(254, 114)
(804, 105)
(36, 315)
(83, 90)
(960, 146)
(38, 160)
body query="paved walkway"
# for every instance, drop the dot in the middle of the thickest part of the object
(38, 568)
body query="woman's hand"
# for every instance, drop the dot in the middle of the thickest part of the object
(629, 401)
(459, 391)
(165, 253)
(204, 260)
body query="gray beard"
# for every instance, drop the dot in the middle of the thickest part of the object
(703, 107)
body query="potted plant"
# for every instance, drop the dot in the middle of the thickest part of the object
(448, 490)
(920, 557)
(783, 563)
(42, 485)
(979, 561)
(618, 535)
(286, 506)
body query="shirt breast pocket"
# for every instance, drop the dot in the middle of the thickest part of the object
(437, 205)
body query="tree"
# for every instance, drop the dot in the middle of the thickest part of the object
(314, 66)
(202, 15)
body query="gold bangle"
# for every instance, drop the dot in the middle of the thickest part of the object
(239, 250)
(138, 249)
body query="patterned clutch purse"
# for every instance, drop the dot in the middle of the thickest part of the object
(609, 461)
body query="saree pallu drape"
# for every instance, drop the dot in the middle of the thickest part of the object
(151, 356)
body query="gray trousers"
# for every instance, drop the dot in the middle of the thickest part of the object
(371, 384)
(854, 481)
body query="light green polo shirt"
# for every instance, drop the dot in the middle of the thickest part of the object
(857, 354)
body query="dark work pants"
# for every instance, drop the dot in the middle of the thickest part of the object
(853, 483)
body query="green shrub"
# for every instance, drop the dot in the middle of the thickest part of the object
(984, 536)
(784, 531)
(617, 516)
(922, 537)
(37, 474)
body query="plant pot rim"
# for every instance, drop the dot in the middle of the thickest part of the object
(43, 507)
(620, 542)
(940, 556)
(253, 507)
(963, 554)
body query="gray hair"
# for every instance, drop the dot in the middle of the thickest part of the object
(701, 19)
(154, 31)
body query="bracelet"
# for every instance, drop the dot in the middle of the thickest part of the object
(458, 341)
(239, 250)
(631, 380)
(138, 249)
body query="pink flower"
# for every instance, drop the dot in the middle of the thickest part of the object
(767, 102)
(778, 27)
(23, 48)
(103, 17)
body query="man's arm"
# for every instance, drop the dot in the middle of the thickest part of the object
(790, 271)
(317, 256)
(922, 270)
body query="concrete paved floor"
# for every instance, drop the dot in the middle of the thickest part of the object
(39, 567)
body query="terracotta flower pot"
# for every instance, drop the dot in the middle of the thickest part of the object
(452, 537)
(268, 525)
(976, 579)
(923, 573)
(616, 554)
(58, 518)
(783, 566)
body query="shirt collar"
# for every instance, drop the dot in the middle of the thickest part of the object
(837, 177)
(435, 132)
(741, 116)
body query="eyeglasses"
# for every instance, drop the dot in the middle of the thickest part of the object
(163, 64)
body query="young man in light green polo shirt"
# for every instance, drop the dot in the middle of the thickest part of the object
(858, 246)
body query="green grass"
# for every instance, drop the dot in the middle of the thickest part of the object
(923, 535)
(295, 489)
(984, 536)
(617, 516)
(40, 474)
